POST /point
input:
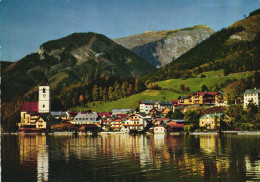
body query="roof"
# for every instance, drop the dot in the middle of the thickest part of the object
(252, 91)
(30, 106)
(174, 101)
(122, 115)
(163, 119)
(159, 126)
(212, 115)
(150, 102)
(204, 93)
(88, 126)
(165, 102)
(106, 114)
(120, 111)
(176, 125)
(180, 120)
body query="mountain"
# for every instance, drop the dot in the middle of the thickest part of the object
(162, 47)
(234, 49)
(5, 64)
(80, 57)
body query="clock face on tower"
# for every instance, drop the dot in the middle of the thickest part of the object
(44, 95)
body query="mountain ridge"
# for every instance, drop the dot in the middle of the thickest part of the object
(162, 47)
(234, 49)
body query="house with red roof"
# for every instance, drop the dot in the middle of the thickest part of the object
(201, 98)
(172, 126)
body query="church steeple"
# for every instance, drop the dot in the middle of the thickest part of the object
(44, 99)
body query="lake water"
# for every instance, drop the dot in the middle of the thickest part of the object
(130, 158)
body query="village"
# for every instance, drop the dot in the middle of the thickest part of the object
(151, 117)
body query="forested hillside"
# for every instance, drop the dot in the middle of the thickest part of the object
(234, 49)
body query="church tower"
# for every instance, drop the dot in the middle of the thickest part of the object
(44, 99)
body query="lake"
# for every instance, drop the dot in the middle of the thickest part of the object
(130, 158)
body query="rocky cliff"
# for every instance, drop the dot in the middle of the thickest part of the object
(162, 47)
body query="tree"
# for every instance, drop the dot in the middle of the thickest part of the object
(139, 86)
(95, 93)
(202, 76)
(105, 94)
(124, 88)
(169, 114)
(193, 117)
(204, 88)
(130, 89)
(235, 90)
(110, 93)
(10, 124)
(81, 99)
(182, 87)
(100, 93)
(87, 96)
(117, 91)
(177, 114)
(253, 109)
(187, 89)
(215, 88)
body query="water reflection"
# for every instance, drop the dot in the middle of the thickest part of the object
(136, 158)
(34, 155)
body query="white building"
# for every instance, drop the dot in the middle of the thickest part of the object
(44, 99)
(87, 118)
(159, 129)
(163, 104)
(251, 95)
(146, 106)
(134, 122)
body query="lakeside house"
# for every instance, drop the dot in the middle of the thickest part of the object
(252, 95)
(172, 126)
(134, 122)
(212, 121)
(159, 129)
(88, 117)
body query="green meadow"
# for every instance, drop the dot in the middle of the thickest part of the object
(131, 102)
(195, 84)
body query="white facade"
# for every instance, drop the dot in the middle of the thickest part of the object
(145, 108)
(44, 99)
(251, 95)
(134, 122)
(159, 130)
(87, 118)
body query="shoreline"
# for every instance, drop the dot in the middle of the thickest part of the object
(116, 133)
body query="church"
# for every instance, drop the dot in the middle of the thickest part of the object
(35, 115)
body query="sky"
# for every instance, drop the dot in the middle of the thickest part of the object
(26, 24)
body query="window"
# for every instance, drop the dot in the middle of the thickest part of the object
(76, 118)
(43, 105)
(43, 90)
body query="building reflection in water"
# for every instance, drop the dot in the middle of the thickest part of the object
(203, 156)
(34, 155)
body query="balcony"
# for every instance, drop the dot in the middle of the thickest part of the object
(132, 119)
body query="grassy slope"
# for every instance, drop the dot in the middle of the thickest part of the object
(131, 102)
(194, 83)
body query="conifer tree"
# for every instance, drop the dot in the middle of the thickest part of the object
(95, 93)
